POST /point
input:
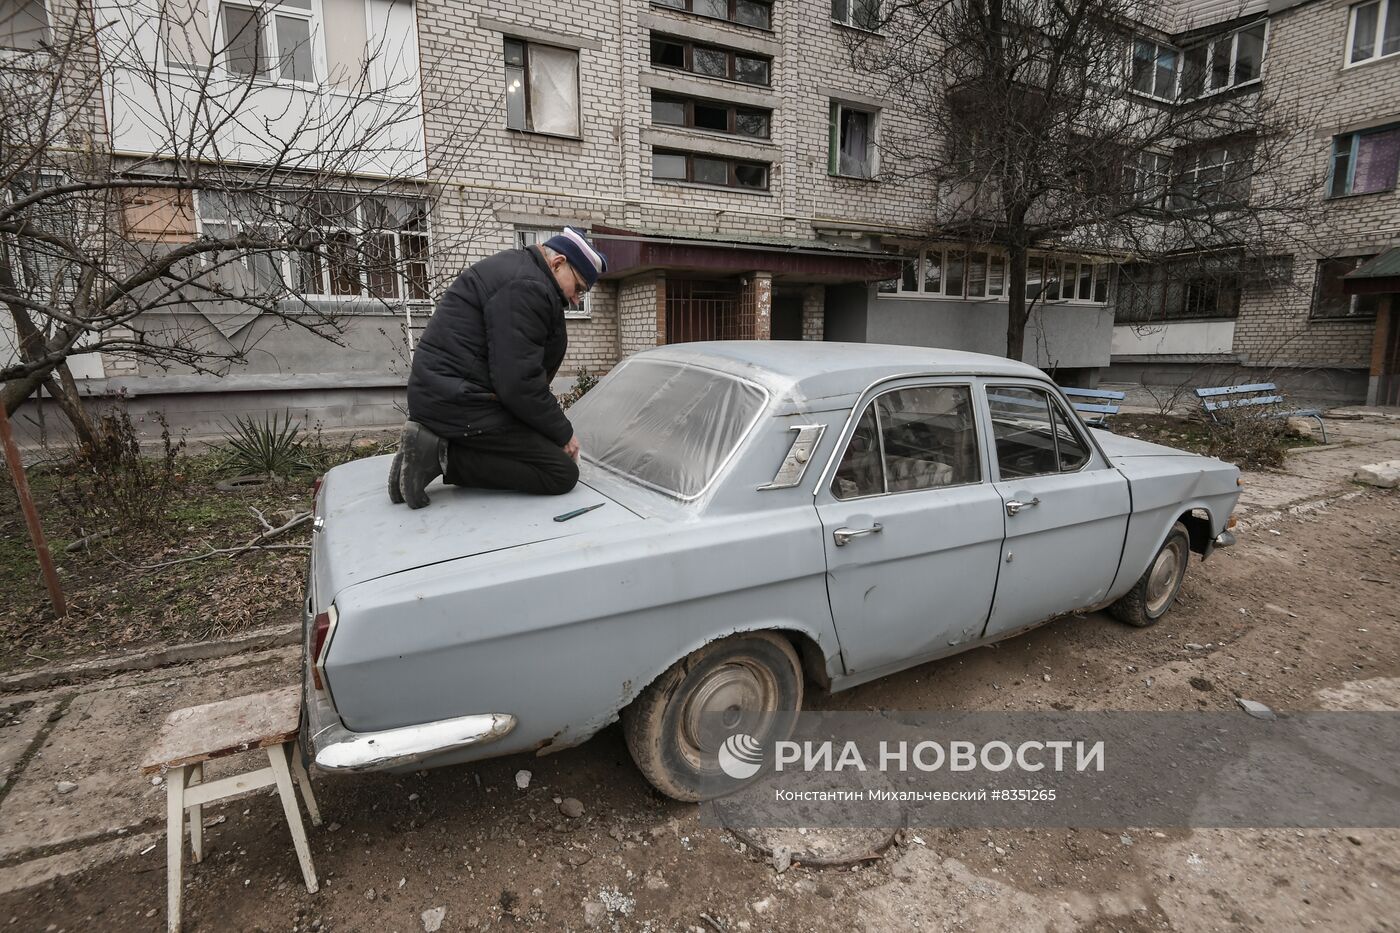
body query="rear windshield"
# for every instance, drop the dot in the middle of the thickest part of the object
(666, 425)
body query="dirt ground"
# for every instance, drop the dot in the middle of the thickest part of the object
(1302, 614)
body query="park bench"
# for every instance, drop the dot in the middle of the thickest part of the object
(1094, 405)
(1262, 397)
(192, 736)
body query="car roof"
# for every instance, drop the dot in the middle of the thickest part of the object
(801, 369)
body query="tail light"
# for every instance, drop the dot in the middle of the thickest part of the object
(321, 629)
(316, 489)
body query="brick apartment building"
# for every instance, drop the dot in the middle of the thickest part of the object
(728, 159)
(1309, 327)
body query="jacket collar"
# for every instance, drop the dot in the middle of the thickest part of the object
(538, 257)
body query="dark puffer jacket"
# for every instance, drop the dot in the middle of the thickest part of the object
(487, 356)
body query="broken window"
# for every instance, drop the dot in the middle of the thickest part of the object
(709, 170)
(1330, 299)
(542, 92)
(716, 116)
(711, 61)
(852, 144)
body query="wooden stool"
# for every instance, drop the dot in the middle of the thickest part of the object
(198, 734)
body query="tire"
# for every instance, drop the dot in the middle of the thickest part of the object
(1153, 594)
(749, 683)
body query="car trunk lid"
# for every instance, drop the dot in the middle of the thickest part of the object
(362, 536)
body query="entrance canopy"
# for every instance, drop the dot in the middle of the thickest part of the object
(787, 258)
(1377, 276)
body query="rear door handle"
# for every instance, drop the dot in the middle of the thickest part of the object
(843, 535)
(1013, 507)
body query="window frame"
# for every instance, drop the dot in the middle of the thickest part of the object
(732, 109)
(42, 43)
(1383, 11)
(289, 260)
(266, 15)
(872, 145)
(1353, 150)
(524, 67)
(829, 476)
(996, 259)
(1056, 406)
(1184, 195)
(733, 164)
(1355, 312)
(1210, 46)
(526, 235)
(688, 6)
(1157, 47)
(689, 46)
(848, 19)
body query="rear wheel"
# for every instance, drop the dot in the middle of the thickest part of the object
(748, 684)
(1154, 592)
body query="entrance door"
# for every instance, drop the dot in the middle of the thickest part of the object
(913, 528)
(1066, 509)
(787, 316)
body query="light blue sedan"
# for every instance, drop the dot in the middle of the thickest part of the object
(754, 519)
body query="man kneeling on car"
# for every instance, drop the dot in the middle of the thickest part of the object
(480, 410)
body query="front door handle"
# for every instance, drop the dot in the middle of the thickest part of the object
(1013, 507)
(842, 535)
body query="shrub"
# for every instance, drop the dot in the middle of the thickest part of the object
(1247, 437)
(113, 484)
(582, 384)
(271, 447)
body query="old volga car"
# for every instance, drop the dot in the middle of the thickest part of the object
(754, 518)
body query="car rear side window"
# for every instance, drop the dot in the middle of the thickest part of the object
(909, 439)
(1033, 433)
(666, 425)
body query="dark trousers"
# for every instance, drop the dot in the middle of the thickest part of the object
(511, 458)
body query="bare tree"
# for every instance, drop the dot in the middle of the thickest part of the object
(1045, 125)
(121, 121)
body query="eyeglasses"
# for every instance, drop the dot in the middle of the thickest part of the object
(583, 286)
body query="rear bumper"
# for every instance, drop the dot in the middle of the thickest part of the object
(336, 748)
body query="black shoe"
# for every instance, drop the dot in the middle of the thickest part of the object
(395, 493)
(420, 450)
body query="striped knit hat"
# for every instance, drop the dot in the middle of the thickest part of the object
(573, 245)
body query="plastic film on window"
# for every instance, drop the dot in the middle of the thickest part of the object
(666, 425)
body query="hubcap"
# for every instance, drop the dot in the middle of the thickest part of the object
(1161, 582)
(735, 697)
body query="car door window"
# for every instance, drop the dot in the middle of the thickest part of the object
(1033, 433)
(917, 438)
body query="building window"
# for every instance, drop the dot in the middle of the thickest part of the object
(1153, 293)
(954, 272)
(24, 24)
(710, 61)
(709, 170)
(710, 115)
(1213, 177)
(270, 41)
(370, 247)
(1330, 301)
(744, 12)
(851, 150)
(1365, 162)
(1224, 62)
(541, 88)
(862, 14)
(1148, 179)
(1374, 31)
(534, 236)
(1154, 69)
